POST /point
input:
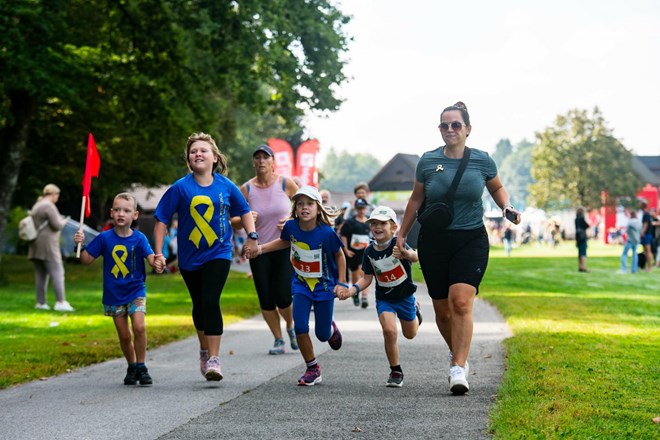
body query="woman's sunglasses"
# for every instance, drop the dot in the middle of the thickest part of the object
(454, 126)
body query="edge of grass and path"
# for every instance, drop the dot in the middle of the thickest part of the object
(584, 359)
(36, 344)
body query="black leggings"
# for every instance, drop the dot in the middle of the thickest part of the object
(205, 287)
(272, 278)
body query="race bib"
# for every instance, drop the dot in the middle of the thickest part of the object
(359, 241)
(306, 263)
(389, 271)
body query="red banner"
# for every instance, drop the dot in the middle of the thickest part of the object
(306, 163)
(284, 164)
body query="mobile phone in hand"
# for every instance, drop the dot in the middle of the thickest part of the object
(511, 215)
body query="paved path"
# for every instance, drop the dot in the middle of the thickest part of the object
(258, 397)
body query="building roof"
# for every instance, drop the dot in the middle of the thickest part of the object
(396, 175)
(148, 198)
(648, 168)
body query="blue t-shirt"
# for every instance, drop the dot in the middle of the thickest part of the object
(123, 265)
(394, 273)
(436, 172)
(204, 232)
(322, 237)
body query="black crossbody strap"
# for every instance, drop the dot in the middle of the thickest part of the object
(449, 197)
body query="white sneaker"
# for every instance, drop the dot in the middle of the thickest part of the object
(63, 307)
(458, 383)
(42, 306)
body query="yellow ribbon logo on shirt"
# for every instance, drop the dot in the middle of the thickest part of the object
(202, 226)
(119, 266)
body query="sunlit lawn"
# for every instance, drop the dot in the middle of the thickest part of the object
(584, 361)
(36, 343)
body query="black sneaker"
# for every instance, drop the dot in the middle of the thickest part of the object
(143, 376)
(418, 312)
(365, 303)
(336, 339)
(395, 380)
(356, 299)
(131, 376)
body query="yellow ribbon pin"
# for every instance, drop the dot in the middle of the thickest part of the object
(119, 266)
(203, 228)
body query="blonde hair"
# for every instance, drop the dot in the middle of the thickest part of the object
(49, 189)
(325, 214)
(221, 163)
(128, 197)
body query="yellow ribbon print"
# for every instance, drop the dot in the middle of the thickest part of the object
(119, 266)
(203, 228)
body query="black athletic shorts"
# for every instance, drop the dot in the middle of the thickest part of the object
(355, 261)
(450, 257)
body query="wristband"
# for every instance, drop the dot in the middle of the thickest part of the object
(357, 288)
(343, 284)
(260, 250)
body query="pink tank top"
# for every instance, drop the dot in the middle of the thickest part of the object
(272, 204)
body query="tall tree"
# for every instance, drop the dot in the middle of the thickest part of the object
(143, 74)
(341, 171)
(516, 172)
(576, 159)
(502, 150)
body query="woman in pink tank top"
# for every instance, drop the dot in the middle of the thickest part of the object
(269, 196)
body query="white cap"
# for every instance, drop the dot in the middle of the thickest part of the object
(310, 192)
(383, 214)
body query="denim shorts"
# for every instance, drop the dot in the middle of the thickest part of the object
(139, 304)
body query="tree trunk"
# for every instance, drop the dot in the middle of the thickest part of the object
(13, 139)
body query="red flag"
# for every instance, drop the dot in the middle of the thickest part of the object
(91, 170)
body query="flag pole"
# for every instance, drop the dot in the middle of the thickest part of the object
(82, 219)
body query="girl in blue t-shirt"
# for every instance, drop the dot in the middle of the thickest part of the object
(124, 290)
(319, 269)
(204, 202)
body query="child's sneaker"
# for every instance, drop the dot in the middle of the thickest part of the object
(143, 375)
(458, 383)
(418, 312)
(131, 375)
(293, 338)
(365, 302)
(311, 377)
(203, 359)
(356, 299)
(335, 339)
(43, 306)
(278, 347)
(213, 371)
(395, 380)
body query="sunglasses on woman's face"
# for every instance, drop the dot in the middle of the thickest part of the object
(454, 126)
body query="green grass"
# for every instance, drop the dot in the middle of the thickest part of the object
(584, 361)
(36, 343)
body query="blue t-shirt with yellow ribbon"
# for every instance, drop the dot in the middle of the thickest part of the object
(124, 275)
(313, 253)
(204, 214)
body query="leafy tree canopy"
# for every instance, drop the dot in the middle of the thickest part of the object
(578, 158)
(141, 75)
(341, 171)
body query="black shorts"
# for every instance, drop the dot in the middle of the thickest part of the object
(272, 278)
(450, 257)
(355, 261)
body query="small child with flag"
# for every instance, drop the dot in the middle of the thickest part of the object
(392, 268)
(124, 290)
